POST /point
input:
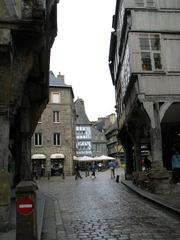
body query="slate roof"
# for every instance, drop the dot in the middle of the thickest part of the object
(56, 82)
(81, 117)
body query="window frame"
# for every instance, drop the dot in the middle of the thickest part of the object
(56, 139)
(56, 116)
(38, 139)
(151, 52)
(59, 96)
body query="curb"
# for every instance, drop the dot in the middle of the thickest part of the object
(40, 213)
(149, 196)
(60, 231)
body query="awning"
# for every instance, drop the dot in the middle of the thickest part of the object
(92, 159)
(103, 157)
(38, 156)
(56, 156)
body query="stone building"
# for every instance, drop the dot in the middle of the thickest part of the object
(89, 141)
(145, 69)
(27, 32)
(53, 142)
(108, 125)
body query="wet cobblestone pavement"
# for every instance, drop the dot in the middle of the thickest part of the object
(102, 209)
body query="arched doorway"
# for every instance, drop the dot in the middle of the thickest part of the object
(170, 126)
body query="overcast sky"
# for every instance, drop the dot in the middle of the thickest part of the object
(81, 50)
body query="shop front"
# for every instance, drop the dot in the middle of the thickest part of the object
(57, 164)
(38, 165)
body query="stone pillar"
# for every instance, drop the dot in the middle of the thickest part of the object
(156, 138)
(137, 156)
(135, 133)
(5, 194)
(159, 175)
(127, 144)
(25, 138)
(5, 198)
(26, 169)
(153, 112)
(4, 138)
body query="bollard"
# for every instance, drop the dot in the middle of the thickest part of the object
(26, 212)
(117, 178)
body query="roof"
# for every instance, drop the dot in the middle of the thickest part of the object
(58, 81)
(81, 117)
(112, 128)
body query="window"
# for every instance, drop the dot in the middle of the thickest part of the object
(145, 3)
(56, 118)
(55, 97)
(56, 139)
(98, 147)
(38, 139)
(150, 52)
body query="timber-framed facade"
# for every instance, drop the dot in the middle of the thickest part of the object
(144, 62)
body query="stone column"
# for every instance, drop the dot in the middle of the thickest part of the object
(4, 138)
(159, 175)
(26, 169)
(152, 110)
(134, 131)
(156, 138)
(5, 194)
(127, 144)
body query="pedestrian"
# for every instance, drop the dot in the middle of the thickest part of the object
(112, 166)
(147, 164)
(93, 170)
(99, 167)
(77, 173)
(176, 167)
(87, 169)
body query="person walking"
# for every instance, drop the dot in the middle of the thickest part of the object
(147, 164)
(77, 173)
(93, 170)
(112, 166)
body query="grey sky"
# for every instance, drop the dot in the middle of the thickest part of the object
(81, 50)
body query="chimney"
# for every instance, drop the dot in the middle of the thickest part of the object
(61, 77)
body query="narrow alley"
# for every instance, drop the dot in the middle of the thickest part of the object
(101, 208)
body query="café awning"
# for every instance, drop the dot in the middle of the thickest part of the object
(104, 157)
(57, 156)
(38, 156)
(91, 159)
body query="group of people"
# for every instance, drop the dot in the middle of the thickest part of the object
(93, 167)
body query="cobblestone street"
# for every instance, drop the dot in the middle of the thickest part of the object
(101, 208)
